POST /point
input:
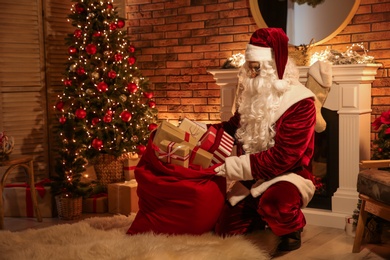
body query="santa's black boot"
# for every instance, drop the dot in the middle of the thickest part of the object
(291, 241)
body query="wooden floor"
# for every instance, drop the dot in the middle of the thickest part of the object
(317, 242)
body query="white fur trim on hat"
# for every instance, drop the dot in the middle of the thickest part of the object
(255, 53)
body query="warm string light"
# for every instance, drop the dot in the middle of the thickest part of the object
(350, 56)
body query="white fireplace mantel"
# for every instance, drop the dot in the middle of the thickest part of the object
(350, 96)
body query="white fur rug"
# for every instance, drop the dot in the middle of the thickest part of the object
(102, 238)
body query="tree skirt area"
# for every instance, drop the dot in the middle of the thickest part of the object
(101, 238)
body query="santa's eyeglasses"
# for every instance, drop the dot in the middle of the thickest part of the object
(254, 68)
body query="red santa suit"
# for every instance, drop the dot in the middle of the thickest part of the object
(272, 185)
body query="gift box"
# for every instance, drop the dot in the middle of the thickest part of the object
(195, 129)
(170, 132)
(18, 201)
(129, 165)
(200, 157)
(175, 153)
(122, 197)
(97, 203)
(222, 148)
(208, 139)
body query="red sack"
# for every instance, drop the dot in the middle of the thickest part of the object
(174, 199)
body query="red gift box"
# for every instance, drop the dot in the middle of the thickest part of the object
(208, 138)
(222, 147)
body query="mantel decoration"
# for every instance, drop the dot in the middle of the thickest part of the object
(106, 110)
(235, 61)
(355, 54)
(350, 56)
(6, 145)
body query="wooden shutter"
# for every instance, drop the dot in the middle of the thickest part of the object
(22, 86)
(56, 29)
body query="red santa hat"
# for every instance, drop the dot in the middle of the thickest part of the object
(267, 41)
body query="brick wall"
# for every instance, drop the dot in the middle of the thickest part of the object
(179, 40)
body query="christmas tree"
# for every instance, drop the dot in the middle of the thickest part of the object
(106, 106)
(381, 149)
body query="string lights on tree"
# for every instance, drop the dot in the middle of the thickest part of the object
(106, 106)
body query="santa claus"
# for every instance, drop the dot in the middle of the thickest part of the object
(273, 126)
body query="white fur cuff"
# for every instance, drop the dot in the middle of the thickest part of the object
(238, 168)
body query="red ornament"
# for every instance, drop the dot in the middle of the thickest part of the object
(72, 50)
(118, 57)
(62, 120)
(111, 74)
(152, 126)
(95, 120)
(68, 82)
(380, 149)
(107, 119)
(131, 60)
(112, 26)
(132, 87)
(80, 71)
(80, 113)
(131, 49)
(141, 149)
(152, 104)
(120, 24)
(109, 6)
(97, 34)
(60, 105)
(126, 116)
(102, 87)
(79, 8)
(97, 144)
(148, 94)
(91, 49)
(109, 112)
(78, 33)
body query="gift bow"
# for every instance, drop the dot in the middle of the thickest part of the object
(170, 153)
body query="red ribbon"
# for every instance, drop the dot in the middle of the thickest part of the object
(129, 168)
(187, 136)
(39, 187)
(169, 154)
(95, 197)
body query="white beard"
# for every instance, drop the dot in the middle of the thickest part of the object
(258, 102)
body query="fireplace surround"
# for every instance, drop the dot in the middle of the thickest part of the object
(350, 97)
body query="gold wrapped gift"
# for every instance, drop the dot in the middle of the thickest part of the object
(170, 132)
(175, 153)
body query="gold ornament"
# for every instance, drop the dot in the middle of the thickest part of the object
(123, 97)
